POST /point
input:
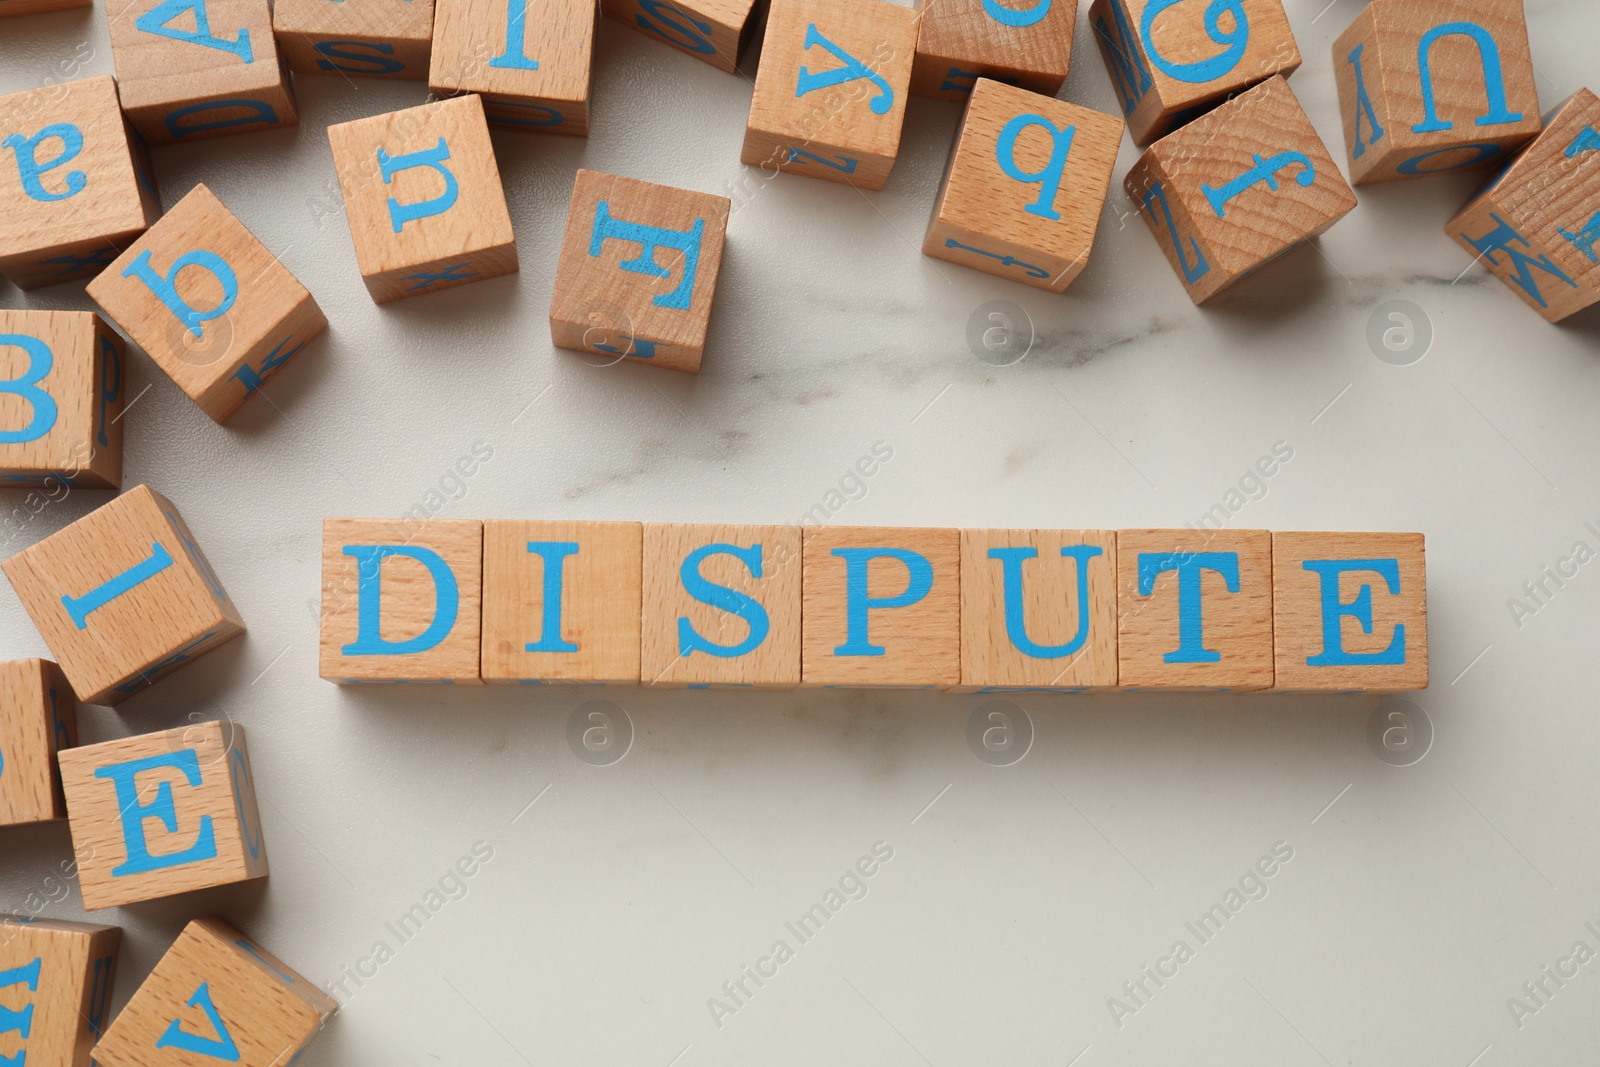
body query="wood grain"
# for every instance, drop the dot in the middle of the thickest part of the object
(87, 384)
(38, 718)
(356, 38)
(958, 41)
(471, 54)
(77, 968)
(712, 31)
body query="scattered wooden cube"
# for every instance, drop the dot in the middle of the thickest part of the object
(1431, 86)
(61, 416)
(75, 180)
(423, 196)
(38, 718)
(216, 995)
(721, 606)
(1028, 45)
(209, 303)
(561, 601)
(123, 596)
(830, 93)
(1025, 187)
(356, 38)
(30, 7)
(1194, 609)
(638, 270)
(533, 73)
(55, 989)
(401, 600)
(1170, 62)
(712, 31)
(1237, 188)
(882, 607)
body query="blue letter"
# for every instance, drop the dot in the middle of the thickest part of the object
(382, 63)
(1201, 267)
(858, 604)
(1363, 104)
(156, 19)
(649, 238)
(1236, 40)
(724, 599)
(79, 607)
(166, 289)
(124, 777)
(31, 169)
(847, 164)
(19, 1022)
(853, 68)
(41, 403)
(253, 378)
(110, 382)
(1483, 153)
(221, 1047)
(1500, 240)
(1586, 239)
(1011, 560)
(684, 36)
(1265, 170)
(263, 113)
(1011, 17)
(554, 554)
(1048, 178)
(389, 166)
(1360, 609)
(99, 995)
(369, 600)
(1494, 82)
(1189, 565)
(515, 56)
(1587, 141)
(1129, 76)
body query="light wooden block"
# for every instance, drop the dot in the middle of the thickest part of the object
(1170, 62)
(163, 813)
(38, 718)
(1349, 612)
(192, 69)
(401, 600)
(216, 996)
(712, 31)
(638, 270)
(530, 60)
(1025, 188)
(721, 606)
(1433, 86)
(423, 197)
(1237, 188)
(1027, 44)
(123, 596)
(75, 180)
(1537, 226)
(1194, 609)
(830, 94)
(561, 601)
(61, 420)
(55, 990)
(882, 607)
(356, 38)
(31, 7)
(1038, 610)
(209, 303)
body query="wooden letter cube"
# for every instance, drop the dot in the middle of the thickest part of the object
(1038, 610)
(163, 813)
(1429, 86)
(1537, 226)
(1237, 188)
(356, 38)
(30, 7)
(830, 94)
(882, 607)
(216, 996)
(561, 601)
(1027, 45)
(423, 196)
(75, 181)
(401, 600)
(713, 31)
(638, 270)
(224, 326)
(1026, 184)
(1194, 609)
(1171, 62)
(61, 406)
(721, 606)
(1349, 612)
(123, 596)
(533, 73)
(38, 718)
(55, 990)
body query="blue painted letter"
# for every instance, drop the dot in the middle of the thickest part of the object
(166, 289)
(853, 69)
(1048, 177)
(41, 403)
(1360, 609)
(134, 813)
(1494, 82)
(80, 607)
(1190, 567)
(554, 556)
(369, 600)
(389, 166)
(1011, 560)
(722, 598)
(31, 170)
(649, 238)
(859, 603)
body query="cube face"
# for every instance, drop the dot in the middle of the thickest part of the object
(30, 7)
(1194, 609)
(55, 988)
(712, 31)
(561, 601)
(38, 718)
(721, 606)
(1433, 86)
(1237, 188)
(356, 38)
(1026, 184)
(123, 596)
(423, 197)
(61, 419)
(638, 270)
(401, 601)
(533, 73)
(830, 94)
(960, 41)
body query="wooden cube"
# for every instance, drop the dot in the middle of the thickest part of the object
(163, 813)
(123, 596)
(423, 196)
(61, 415)
(356, 38)
(712, 31)
(561, 601)
(55, 989)
(638, 270)
(1194, 609)
(192, 69)
(721, 606)
(30, 7)
(1537, 226)
(882, 607)
(533, 73)
(1349, 612)
(75, 180)
(1038, 610)
(1237, 188)
(216, 995)
(1025, 187)
(959, 41)
(1431, 86)
(401, 600)
(38, 718)
(209, 303)
(1172, 62)
(830, 93)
